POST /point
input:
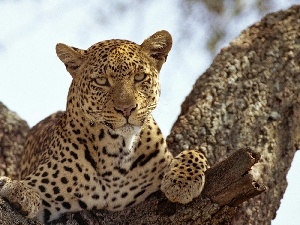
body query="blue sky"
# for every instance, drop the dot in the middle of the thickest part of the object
(34, 82)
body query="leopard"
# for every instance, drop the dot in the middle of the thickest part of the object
(105, 151)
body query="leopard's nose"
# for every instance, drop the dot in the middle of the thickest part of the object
(126, 110)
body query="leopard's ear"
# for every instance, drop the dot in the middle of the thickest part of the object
(158, 46)
(72, 57)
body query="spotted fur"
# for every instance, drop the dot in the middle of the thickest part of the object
(105, 151)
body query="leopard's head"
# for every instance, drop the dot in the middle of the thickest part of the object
(116, 82)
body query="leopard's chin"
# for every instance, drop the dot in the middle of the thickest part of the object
(128, 130)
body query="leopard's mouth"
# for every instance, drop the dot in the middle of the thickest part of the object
(124, 127)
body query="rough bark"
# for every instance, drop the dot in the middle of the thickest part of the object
(12, 136)
(13, 131)
(249, 97)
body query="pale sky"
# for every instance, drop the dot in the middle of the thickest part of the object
(34, 83)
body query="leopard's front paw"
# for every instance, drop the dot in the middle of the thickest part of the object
(186, 178)
(20, 196)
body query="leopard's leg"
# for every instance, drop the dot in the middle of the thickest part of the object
(26, 200)
(185, 179)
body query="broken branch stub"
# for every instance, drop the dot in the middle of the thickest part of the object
(229, 182)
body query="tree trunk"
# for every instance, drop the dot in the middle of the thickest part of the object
(249, 100)
(250, 97)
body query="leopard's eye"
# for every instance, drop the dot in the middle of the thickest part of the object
(140, 77)
(102, 81)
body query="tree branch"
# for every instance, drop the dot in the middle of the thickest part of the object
(230, 181)
(250, 97)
